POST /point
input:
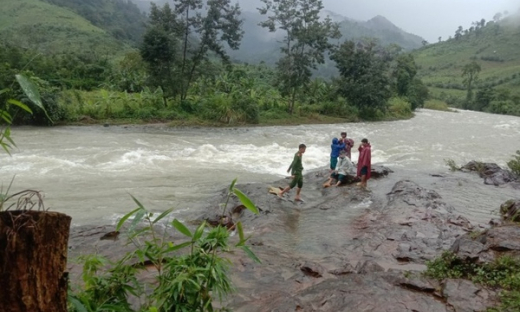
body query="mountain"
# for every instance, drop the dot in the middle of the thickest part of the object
(123, 19)
(49, 29)
(494, 47)
(382, 29)
(258, 44)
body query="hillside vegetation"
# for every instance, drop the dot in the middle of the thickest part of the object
(122, 19)
(50, 29)
(494, 47)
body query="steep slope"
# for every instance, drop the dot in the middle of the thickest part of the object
(494, 47)
(121, 18)
(47, 28)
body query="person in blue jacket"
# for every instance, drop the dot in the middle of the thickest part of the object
(335, 147)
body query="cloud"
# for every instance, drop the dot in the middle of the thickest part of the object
(429, 19)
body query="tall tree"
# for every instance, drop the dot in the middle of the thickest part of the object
(307, 39)
(364, 79)
(212, 24)
(179, 41)
(470, 73)
(160, 48)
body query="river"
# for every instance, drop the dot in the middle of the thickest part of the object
(89, 172)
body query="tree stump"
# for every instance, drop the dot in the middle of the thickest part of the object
(33, 258)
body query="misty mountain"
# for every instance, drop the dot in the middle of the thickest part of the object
(258, 44)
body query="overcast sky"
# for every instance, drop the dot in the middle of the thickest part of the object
(429, 19)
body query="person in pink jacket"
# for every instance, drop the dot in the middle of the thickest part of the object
(364, 165)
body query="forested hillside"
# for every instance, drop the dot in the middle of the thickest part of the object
(488, 54)
(50, 29)
(122, 19)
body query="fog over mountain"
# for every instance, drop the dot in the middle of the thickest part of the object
(429, 19)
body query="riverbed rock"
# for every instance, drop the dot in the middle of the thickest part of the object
(465, 296)
(492, 173)
(488, 245)
(313, 260)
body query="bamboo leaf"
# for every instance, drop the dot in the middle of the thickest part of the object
(232, 186)
(20, 104)
(199, 231)
(6, 116)
(245, 201)
(240, 231)
(138, 217)
(181, 228)
(31, 91)
(250, 254)
(77, 304)
(125, 217)
(162, 215)
(177, 247)
(137, 202)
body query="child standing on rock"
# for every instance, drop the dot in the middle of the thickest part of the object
(296, 169)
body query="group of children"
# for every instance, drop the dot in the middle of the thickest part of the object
(341, 165)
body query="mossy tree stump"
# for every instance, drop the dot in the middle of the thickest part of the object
(33, 258)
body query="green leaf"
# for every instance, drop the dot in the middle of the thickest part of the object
(77, 304)
(199, 231)
(3, 91)
(137, 233)
(138, 217)
(6, 116)
(162, 215)
(240, 231)
(250, 254)
(125, 217)
(181, 228)
(232, 186)
(137, 202)
(31, 91)
(246, 201)
(177, 247)
(20, 104)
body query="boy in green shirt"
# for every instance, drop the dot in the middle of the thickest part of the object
(296, 169)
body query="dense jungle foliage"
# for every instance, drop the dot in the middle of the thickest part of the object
(181, 72)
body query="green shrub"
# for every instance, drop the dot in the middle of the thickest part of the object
(274, 113)
(400, 107)
(186, 281)
(436, 105)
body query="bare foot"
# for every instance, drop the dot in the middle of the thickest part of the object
(298, 199)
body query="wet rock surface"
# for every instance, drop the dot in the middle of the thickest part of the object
(343, 248)
(493, 174)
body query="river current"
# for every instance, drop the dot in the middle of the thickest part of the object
(89, 172)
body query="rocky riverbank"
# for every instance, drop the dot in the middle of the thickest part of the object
(347, 249)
